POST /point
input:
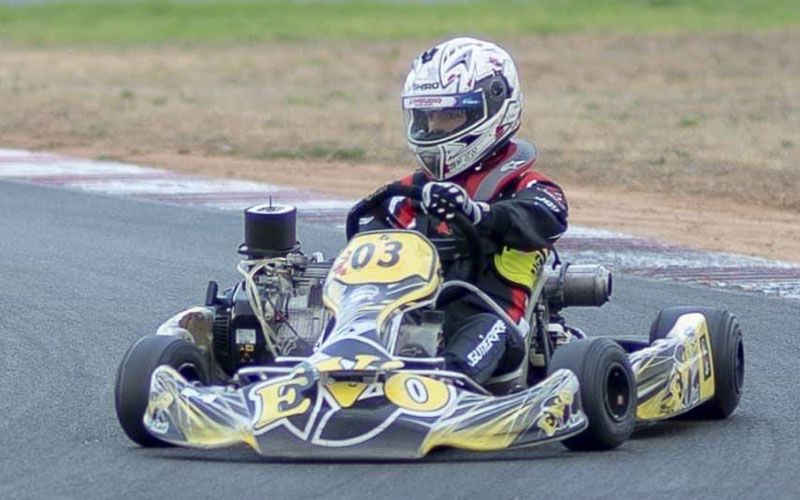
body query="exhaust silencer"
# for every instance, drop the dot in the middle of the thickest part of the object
(578, 286)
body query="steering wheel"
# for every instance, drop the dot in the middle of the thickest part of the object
(472, 241)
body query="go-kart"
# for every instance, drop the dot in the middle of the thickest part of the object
(307, 358)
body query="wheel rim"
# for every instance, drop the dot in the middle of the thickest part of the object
(617, 390)
(190, 372)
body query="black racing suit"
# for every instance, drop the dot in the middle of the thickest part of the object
(528, 214)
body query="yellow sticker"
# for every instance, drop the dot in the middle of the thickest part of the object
(417, 393)
(346, 393)
(386, 257)
(280, 400)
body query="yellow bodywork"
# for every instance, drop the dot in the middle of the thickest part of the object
(676, 373)
(424, 412)
(170, 396)
(512, 416)
(383, 258)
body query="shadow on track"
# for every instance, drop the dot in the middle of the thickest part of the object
(245, 455)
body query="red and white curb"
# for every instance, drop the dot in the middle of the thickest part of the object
(160, 185)
(618, 251)
(645, 257)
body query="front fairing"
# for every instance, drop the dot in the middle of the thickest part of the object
(311, 413)
(380, 274)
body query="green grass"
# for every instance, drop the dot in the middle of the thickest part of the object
(157, 22)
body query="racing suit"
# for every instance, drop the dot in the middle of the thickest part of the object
(528, 213)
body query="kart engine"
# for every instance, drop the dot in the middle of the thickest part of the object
(277, 309)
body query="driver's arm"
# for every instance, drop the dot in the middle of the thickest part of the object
(534, 216)
(374, 222)
(395, 212)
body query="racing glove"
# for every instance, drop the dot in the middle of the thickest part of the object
(444, 199)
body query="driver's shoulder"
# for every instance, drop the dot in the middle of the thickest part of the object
(503, 171)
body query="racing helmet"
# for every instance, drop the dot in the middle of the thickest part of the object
(461, 102)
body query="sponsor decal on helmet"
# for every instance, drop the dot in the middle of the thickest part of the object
(470, 154)
(427, 56)
(428, 102)
(466, 157)
(471, 100)
(426, 86)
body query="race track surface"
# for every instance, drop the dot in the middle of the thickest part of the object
(83, 275)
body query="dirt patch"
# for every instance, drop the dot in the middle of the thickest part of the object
(691, 139)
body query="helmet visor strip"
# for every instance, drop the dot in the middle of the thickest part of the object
(436, 119)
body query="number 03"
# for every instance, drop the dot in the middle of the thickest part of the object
(363, 255)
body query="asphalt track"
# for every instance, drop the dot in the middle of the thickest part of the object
(82, 276)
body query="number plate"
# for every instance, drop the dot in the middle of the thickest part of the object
(386, 257)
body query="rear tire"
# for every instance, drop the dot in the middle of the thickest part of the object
(132, 387)
(727, 354)
(607, 388)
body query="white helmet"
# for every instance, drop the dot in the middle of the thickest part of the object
(462, 101)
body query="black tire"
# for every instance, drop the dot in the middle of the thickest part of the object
(132, 387)
(727, 354)
(608, 391)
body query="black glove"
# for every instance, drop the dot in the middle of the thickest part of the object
(444, 199)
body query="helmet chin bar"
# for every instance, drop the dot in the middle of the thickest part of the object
(432, 162)
(433, 159)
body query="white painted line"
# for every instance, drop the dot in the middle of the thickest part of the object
(55, 165)
(155, 184)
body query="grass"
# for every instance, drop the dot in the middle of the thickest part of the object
(247, 21)
(315, 152)
(688, 123)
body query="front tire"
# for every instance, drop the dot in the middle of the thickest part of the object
(727, 354)
(132, 387)
(607, 388)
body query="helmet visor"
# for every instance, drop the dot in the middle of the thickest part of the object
(436, 119)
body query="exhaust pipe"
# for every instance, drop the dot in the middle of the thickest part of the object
(578, 286)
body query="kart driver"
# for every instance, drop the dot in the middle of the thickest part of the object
(462, 104)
